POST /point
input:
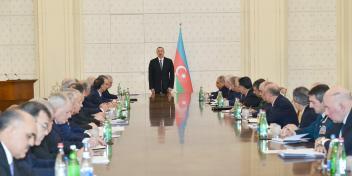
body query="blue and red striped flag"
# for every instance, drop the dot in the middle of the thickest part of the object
(183, 80)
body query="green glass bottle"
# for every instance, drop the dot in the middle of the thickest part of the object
(263, 127)
(107, 131)
(127, 99)
(201, 94)
(341, 159)
(334, 159)
(118, 110)
(328, 156)
(220, 99)
(119, 92)
(259, 117)
(73, 164)
(237, 109)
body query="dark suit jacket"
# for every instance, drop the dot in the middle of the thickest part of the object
(161, 80)
(282, 112)
(308, 117)
(31, 165)
(48, 148)
(107, 96)
(4, 165)
(92, 102)
(314, 128)
(82, 120)
(232, 97)
(224, 90)
(251, 100)
(346, 131)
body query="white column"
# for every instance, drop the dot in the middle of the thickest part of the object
(58, 23)
(264, 39)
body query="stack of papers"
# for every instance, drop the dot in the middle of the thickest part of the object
(301, 153)
(100, 160)
(119, 122)
(291, 139)
(98, 147)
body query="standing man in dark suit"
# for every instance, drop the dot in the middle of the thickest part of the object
(17, 135)
(161, 73)
(338, 107)
(282, 111)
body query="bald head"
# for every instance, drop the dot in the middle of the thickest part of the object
(271, 92)
(338, 103)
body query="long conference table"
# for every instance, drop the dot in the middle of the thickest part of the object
(178, 136)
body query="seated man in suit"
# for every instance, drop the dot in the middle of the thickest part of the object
(282, 111)
(264, 104)
(220, 84)
(84, 119)
(306, 114)
(17, 134)
(258, 93)
(106, 94)
(42, 114)
(249, 98)
(234, 91)
(94, 102)
(68, 131)
(62, 111)
(338, 106)
(322, 123)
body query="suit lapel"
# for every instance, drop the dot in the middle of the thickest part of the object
(348, 124)
(3, 161)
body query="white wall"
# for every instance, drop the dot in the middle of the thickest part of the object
(17, 39)
(120, 37)
(312, 49)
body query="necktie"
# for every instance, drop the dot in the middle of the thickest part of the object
(161, 64)
(12, 169)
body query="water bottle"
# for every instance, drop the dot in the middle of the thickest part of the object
(107, 131)
(334, 157)
(341, 161)
(60, 165)
(119, 110)
(328, 156)
(237, 109)
(201, 94)
(263, 126)
(119, 93)
(73, 165)
(127, 99)
(86, 164)
(220, 99)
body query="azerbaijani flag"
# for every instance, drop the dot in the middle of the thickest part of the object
(183, 80)
(182, 113)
